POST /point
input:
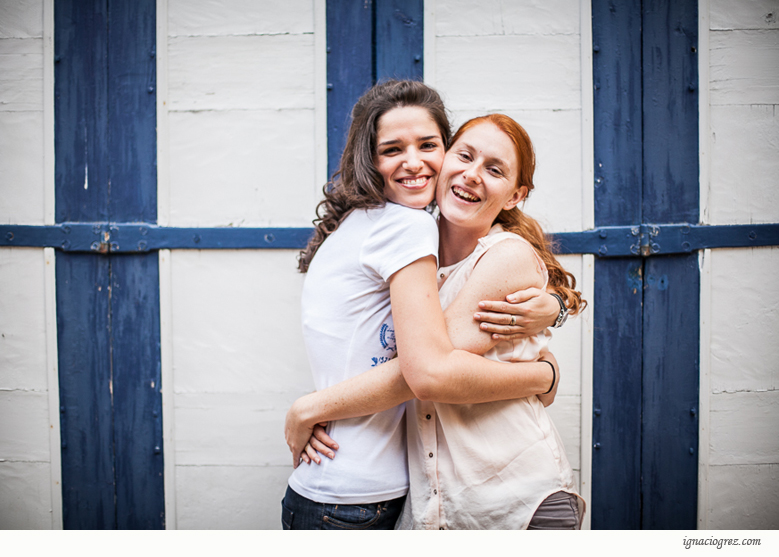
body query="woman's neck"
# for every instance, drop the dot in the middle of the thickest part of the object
(455, 243)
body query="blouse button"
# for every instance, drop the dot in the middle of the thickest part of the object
(442, 275)
(435, 492)
(428, 416)
(431, 454)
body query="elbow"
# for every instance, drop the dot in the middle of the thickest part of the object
(426, 384)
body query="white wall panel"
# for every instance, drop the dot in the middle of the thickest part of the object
(24, 426)
(22, 320)
(21, 18)
(21, 167)
(231, 497)
(744, 497)
(507, 17)
(744, 145)
(745, 315)
(238, 364)
(743, 428)
(754, 14)
(744, 67)
(507, 72)
(21, 74)
(25, 496)
(236, 322)
(240, 17)
(242, 168)
(241, 72)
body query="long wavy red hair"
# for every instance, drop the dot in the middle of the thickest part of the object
(514, 220)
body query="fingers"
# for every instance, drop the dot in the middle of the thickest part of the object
(321, 448)
(312, 455)
(514, 331)
(523, 295)
(500, 307)
(321, 436)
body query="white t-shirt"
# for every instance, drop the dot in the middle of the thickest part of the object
(348, 328)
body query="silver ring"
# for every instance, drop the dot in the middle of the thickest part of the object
(513, 320)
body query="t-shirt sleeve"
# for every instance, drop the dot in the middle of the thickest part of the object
(398, 238)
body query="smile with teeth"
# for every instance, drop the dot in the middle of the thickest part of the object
(413, 182)
(462, 194)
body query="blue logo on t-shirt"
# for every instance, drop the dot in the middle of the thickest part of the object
(387, 337)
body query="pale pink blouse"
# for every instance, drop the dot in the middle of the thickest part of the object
(488, 465)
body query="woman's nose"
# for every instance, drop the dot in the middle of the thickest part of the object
(471, 174)
(413, 161)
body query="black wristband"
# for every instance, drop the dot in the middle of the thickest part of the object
(554, 376)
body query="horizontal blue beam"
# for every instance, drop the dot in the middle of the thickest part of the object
(606, 241)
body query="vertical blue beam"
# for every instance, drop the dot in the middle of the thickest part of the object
(132, 134)
(670, 392)
(616, 422)
(83, 282)
(350, 68)
(399, 39)
(108, 306)
(616, 457)
(135, 303)
(671, 298)
(135, 310)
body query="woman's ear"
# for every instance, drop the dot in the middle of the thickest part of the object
(515, 199)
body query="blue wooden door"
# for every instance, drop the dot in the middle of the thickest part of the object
(646, 327)
(107, 304)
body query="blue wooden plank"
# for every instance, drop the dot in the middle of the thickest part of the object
(350, 68)
(616, 425)
(616, 36)
(132, 112)
(81, 110)
(399, 39)
(84, 363)
(105, 142)
(604, 241)
(137, 399)
(670, 106)
(672, 293)
(670, 391)
(616, 456)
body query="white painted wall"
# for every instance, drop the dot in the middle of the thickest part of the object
(240, 145)
(526, 59)
(739, 452)
(30, 495)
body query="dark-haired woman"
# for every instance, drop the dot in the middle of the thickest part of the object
(375, 243)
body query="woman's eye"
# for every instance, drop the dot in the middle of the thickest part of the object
(495, 171)
(464, 156)
(390, 151)
(429, 145)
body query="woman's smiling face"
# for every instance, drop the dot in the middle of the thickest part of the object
(479, 177)
(409, 153)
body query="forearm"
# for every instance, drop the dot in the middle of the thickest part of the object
(375, 390)
(460, 377)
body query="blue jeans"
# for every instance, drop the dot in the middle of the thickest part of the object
(301, 513)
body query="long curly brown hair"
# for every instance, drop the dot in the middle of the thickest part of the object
(514, 220)
(357, 184)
